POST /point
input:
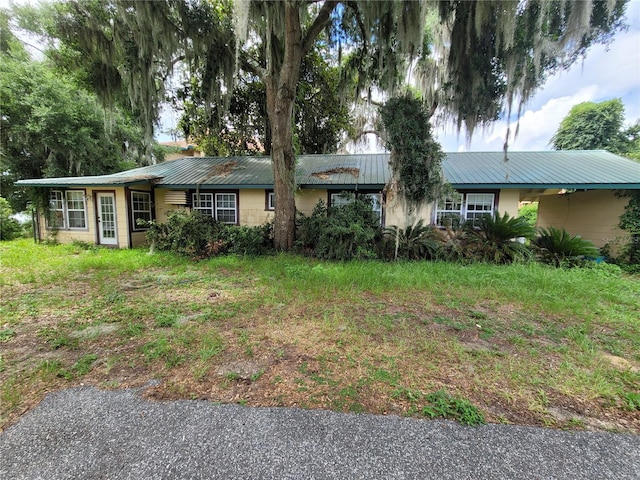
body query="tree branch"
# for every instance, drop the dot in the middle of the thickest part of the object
(321, 21)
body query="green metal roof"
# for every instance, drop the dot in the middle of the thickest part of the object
(579, 169)
(548, 169)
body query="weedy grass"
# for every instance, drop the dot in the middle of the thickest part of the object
(471, 343)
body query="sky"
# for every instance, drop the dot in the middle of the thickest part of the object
(606, 73)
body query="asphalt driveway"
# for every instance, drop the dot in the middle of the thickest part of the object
(86, 433)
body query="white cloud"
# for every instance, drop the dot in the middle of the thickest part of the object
(606, 73)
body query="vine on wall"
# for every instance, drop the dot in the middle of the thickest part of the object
(416, 158)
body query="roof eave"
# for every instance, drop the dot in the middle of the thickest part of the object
(217, 186)
(572, 186)
(342, 186)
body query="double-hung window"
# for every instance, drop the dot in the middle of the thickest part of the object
(76, 209)
(376, 204)
(68, 210)
(140, 208)
(226, 207)
(203, 202)
(56, 210)
(221, 206)
(464, 207)
(345, 198)
(477, 206)
(341, 199)
(449, 211)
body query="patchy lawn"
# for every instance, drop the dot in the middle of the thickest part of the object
(525, 344)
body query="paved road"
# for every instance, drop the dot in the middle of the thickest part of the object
(86, 433)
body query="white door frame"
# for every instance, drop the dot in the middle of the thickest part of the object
(107, 221)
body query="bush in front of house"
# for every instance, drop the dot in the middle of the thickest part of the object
(557, 247)
(414, 242)
(199, 236)
(250, 241)
(499, 239)
(346, 232)
(187, 233)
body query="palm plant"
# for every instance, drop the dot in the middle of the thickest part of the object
(414, 242)
(496, 238)
(452, 243)
(557, 246)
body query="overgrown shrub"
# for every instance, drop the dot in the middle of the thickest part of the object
(557, 247)
(414, 242)
(187, 233)
(344, 232)
(251, 241)
(499, 239)
(199, 236)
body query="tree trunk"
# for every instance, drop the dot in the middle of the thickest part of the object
(281, 82)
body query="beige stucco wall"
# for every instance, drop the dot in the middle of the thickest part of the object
(593, 214)
(308, 198)
(252, 208)
(508, 202)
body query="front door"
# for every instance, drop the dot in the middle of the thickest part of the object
(107, 227)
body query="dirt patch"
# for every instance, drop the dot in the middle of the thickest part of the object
(620, 363)
(95, 331)
(240, 369)
(325, 174)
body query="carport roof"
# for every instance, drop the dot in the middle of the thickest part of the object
(479, 170)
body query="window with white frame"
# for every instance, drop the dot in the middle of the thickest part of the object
(221, 206)
(68, 210)
(271, 200)
(477, 206)
(342, 198)
(449, 211)
(464, 207)
(203, 202)
(345, 198)
(76, 209)
(56, 210)
(140, 208)
(226, 207)
(376, 204)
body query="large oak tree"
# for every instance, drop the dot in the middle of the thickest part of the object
(472, 60)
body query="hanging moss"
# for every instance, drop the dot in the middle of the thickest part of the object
(416, 158)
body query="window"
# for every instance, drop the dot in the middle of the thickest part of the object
(345, 198)
(76, 209)
(270, 200)
(226, 207)
(341, 199)
(68, 210)
(56, 210)
(467, 207)
(376, 204)
(449, 211)
(203, 202)
(478, 205)
(221, 206)
(140, 208)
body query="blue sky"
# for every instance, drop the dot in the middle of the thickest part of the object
(606, 73)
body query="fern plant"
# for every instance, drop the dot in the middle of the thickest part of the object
(557, 247)
(496, 238)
